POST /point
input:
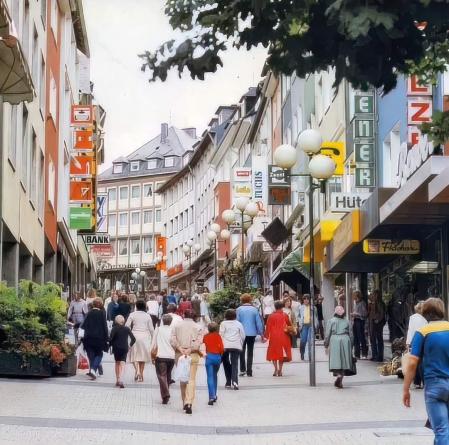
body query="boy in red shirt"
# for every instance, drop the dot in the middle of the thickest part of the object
(214, 351)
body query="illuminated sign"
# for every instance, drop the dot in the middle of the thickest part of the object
(391, 247)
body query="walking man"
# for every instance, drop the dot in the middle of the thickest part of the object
(249, 316)
(186, 339)
(305, 324)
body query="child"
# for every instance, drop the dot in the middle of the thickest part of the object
(120, 346)
(214, 351)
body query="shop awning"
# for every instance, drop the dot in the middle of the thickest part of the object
(292, 271)
(15, 80)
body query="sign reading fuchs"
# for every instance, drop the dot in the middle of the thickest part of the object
(347, 202)
(260, 182)
(364, 139)
(96, 239)
(391, 247)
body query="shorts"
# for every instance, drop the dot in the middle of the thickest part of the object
(120, 355)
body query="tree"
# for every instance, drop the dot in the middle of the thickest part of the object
(367, 42)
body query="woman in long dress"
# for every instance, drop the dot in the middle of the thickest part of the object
(339, 346)
(279, 343)
(142, 327)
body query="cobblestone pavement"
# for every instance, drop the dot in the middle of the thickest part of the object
(266, 410)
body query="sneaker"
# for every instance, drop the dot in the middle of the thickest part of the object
(100, 369)
(165, 400)
(364, 357)
(228, 386)
(235, 386)
(185, 407)
(249, 374)
(210, 402)
(91, 375)
(302, 356)
(188, 409)
(121, 385)
(242, 374)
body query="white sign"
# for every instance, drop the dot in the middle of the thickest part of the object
(254, 233)
(260, 182)
(242, 174)
(96, 239)
(347, 202)
(267, 248)
(242, 183)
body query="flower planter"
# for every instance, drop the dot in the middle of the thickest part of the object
(67, 367)
(16, 364)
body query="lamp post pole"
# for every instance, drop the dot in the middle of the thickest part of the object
(190, 272)
(312, 367)
(215, 266)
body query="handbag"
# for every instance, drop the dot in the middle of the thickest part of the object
(290, 330)
(353, 370)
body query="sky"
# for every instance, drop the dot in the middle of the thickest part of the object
(136, 108)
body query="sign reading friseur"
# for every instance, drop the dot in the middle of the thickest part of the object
(391, 247)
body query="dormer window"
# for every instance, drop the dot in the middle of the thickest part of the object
(117, 168)
(169, 161)
(152, 164)
(135, 166)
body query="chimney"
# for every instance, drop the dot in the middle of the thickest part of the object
(191, 131)
(164, 133)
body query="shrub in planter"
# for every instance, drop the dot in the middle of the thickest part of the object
(221, 300)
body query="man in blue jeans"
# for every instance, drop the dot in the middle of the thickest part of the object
(305, 324)
(250, 318)
(430, 345)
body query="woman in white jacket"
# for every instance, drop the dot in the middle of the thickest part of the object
(233, 335)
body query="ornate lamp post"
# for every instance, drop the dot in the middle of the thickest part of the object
(321, 167)
(213, 236)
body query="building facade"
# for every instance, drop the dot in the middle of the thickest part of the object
(135, 210)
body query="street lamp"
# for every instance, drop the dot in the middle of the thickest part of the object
(321, 167)
(245, 207)
(188, 248)
(214, 236)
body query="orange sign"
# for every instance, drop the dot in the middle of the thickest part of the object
(174, 270)
(82, 116)
(161, 246)
(81, 191)
(83, 166)
(84, 140)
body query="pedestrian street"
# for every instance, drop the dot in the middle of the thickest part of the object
(266, 409)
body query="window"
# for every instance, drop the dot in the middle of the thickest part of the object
(51, 182)
(42, 86)
(158, 215)
(186, 218)
(24, 161)
(148, 190)
(26, 31)
(33, 169)
(148, 217)
(53, 97)
(41, 176)
(112, 221)
(147, 245)
(117, 168)
(54, 18)
(12, 149)
(169, 161)
(135, 166)
(112, 193)
(122, 247)
(191, 215)
(135, 191)
(35, 55)
(135, 218)
(152, 164)
(181, 221)
(123, 193)
(175, 226)
(170, 227)
(43, 12)
(135, 247)
(123, 220)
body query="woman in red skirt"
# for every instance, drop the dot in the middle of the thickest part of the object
(279, 343)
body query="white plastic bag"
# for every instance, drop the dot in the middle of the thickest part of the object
(182, 371)
(80, 333)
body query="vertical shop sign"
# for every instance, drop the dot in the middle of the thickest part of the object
(102, 209)
(364, 139)
(260, 182)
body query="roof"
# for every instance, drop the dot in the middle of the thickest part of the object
(178, 143)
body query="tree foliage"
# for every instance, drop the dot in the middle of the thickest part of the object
(368, 42)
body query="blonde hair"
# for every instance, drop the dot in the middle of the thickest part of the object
(119, 319)
(418, 307)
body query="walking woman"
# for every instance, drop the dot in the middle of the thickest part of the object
(142, 327)
(337, 342)
(288, 309)
(376, 320)
(95, 336)
(233, 335)
(124, 308)
(359, 314)
(279, 343)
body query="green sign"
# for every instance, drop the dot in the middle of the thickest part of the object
(364, 103)
(364, 152)
(365, 177)
(364, 128)
(80, 218)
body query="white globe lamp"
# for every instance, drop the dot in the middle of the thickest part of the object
(252, 209)
(228, 216)
(197, 247)
(142, 273)
(211, 236)
(322, 167)
(215, 227)
(190, 242)
(225, 234)
(137, 270)
(186, 249)
(285, 156)
(310, 142)
(134, 275)
(241, 203)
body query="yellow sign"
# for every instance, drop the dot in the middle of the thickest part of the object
(336, 151)
(391, 247)
(347, 234)
(328, 228)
